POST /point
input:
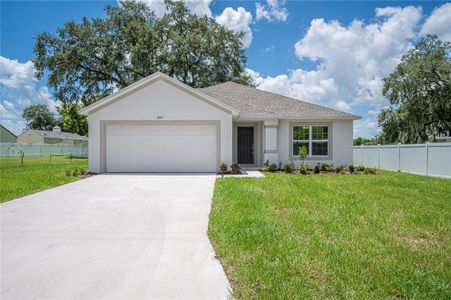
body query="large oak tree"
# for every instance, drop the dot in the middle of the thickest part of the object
(39, 116)
(89, 60)
(419, 91)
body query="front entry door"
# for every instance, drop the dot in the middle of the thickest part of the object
(245, 145)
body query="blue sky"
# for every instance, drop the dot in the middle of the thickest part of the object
(330, 53)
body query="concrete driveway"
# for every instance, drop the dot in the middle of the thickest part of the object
(112, 236)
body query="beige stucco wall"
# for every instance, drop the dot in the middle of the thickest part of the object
(147, 104)
(29, 137)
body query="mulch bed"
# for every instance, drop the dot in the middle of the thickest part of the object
(310, 172)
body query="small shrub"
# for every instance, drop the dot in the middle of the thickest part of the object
(361, 168)
(338, 169)
(68, 173)
(288, 168)
(223, 168)
(236, 168)
(303, 169)
(373, 171)
(343, 171)
(75, 173)
(266, 165)
(272, 167)
(326, 167)
(317, 168)
(351, 169)
(83, 171)
(370, 171)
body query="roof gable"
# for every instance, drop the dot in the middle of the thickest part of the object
(123, 93)
(255, 103)
(6, 130)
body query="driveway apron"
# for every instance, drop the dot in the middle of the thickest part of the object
(129, 236)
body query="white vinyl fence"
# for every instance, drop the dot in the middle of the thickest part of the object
(36, 150)
(432, 159)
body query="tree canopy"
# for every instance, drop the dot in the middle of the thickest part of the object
(71, 120)
(39, 116)
(419, 91)
(89, 60)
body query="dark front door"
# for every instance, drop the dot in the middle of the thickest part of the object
(245, 145)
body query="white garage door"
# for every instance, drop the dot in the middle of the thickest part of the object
(161, 148)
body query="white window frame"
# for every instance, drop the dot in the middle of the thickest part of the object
(310, 140)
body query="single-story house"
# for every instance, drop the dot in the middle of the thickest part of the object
(6, 136)
(159, 124)
(55, 136)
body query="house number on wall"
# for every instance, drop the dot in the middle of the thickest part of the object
(159, 117)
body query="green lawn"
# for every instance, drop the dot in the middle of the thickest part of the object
(333, 236)
(35, 175)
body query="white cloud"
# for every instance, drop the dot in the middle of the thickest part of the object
(8, 105)
(439, 22)
(7, 111)
(351, 61)
(358, 56)
(197, 7)
(15, 126)
(374, 112)
(343, 106)
(272, 11)
(270, 48)
(299, 84)
(19, 88)
(15, 74)
(367, 128)
(238, 21)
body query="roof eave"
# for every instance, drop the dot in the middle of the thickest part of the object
(310, 117)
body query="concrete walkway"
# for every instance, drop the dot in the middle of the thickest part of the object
(112, 236)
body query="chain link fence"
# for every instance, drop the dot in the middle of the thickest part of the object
(12, 155)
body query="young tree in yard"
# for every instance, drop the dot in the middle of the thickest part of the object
(303, 153)
(419, 91)
(89, 60)
(39, 116)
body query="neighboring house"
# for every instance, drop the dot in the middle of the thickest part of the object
(56, 136)
(7, 136)
(159, 124)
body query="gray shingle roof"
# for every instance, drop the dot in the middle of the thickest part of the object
(59, 135)
(252, 102)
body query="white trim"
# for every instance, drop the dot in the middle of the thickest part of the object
(149, 80)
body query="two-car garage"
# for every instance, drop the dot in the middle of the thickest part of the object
(160, 125)
(161, 147)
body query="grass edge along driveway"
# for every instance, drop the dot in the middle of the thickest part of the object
(327, 236)
(36, 175)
